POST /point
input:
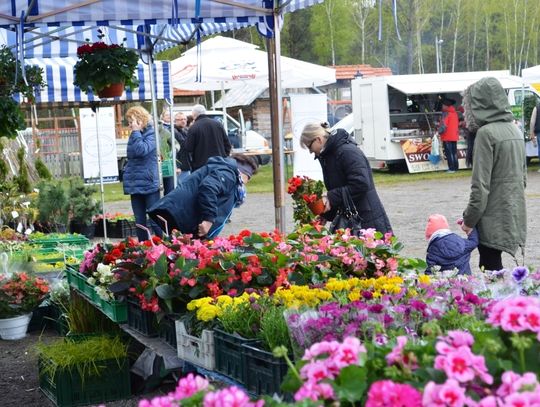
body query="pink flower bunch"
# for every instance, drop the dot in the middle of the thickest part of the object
(325, 361)
(386, 393)
(229, 397)
(448, 394)
(456, 359)
(190, 385)
(155, 252)
(516, 315)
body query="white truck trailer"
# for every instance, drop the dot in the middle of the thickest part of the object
(395, 117)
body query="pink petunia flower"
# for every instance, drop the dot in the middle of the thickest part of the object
(386, 393)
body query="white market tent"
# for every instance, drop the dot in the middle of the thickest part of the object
(531, 76)
(22, 16)
(222, 62)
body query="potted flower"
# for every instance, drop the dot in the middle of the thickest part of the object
(20, 293)
(307, 196)
(105, 69)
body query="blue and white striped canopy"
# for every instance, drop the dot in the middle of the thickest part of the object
(47, 42)
(58, 74)
(143, 12)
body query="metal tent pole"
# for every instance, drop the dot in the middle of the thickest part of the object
(101, 188)
(274, 82)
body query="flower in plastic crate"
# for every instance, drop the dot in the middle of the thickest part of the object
(101, 279)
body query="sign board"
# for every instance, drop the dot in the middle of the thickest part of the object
(417, 150)
(94, 126)
(306, 109)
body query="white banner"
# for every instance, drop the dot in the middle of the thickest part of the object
(92, 125)
(306, 109)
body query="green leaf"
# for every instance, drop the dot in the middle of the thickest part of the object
(160, 267)
(197, 291)
(351, 383)
(265, 278)
(166, 291)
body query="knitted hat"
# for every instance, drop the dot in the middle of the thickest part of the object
(435, 222)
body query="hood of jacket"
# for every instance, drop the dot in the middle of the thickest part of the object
(486, 102)
(336, 139)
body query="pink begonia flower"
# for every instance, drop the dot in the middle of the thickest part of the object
(386, 393)
(320, 348)
(448, 394)
(155, 252)
(392, 264)
(531, 318)
(189, 385)
(316, 371)
(512, 382)
(229, 397)
(458, 365)
(348, 353)
(396, 355)
(314, 391)
(459, 338)
(480, 368)
(511, 319)
(517, 400)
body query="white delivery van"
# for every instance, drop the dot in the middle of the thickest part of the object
(398, 115)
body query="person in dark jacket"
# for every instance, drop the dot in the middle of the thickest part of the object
(141, 176)
(447, 250)
(344, 165)
(202, 203)
(183, 159)
(206, 138)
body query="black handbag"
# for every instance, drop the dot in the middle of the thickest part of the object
(347, 217)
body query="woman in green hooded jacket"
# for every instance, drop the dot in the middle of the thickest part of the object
(497, 201)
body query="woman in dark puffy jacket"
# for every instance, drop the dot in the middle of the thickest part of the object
(141, 176)
(345, 166)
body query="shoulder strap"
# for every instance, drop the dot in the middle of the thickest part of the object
(348, 203)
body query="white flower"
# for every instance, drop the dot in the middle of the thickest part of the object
(14, 214)
(91, 281)
(103, 269)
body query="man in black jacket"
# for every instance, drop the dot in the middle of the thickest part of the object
(206, 138)
(183, 159)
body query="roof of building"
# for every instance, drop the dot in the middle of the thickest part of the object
(349, 71)
(182, 92)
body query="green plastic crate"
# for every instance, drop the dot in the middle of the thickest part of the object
(52, 241)
(75, 279)
(115, 310)
(167, 168)
(67, 388)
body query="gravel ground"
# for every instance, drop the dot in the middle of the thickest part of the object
(408, 206)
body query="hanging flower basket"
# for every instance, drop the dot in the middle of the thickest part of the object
(111, 91)
(105, 69)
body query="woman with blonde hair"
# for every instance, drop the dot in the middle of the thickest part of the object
(141, 175)
(346, 173)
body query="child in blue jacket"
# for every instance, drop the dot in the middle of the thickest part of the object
(446, 249)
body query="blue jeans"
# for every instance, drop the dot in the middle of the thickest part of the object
(140, 203)
(450, 151)
(168, 185)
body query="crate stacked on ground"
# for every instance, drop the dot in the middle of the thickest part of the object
(116, 227)
(84, 371)
(230, 356)
(144, 322)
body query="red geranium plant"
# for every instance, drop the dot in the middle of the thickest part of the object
(101, 65)
(304, 191)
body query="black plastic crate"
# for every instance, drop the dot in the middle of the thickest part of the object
(41, 319)
(144, 322)
(66, 388)
(264, 372)
(167, 329)
(230, 358)
(121, 228)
